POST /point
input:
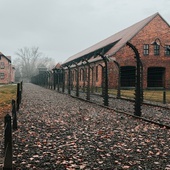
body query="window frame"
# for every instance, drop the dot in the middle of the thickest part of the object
(2, 65)
(2, 76)
(81, 74)
(156, 50)
(167, 52)
(97, 73)
(72, 76)
(146, 49)
(85, 74)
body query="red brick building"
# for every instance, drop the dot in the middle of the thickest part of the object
(7, 70)
(155, 58)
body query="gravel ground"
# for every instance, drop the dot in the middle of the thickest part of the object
(57, 132)
(156, 113)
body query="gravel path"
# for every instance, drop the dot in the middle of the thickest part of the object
(156, 113)
(57, 132)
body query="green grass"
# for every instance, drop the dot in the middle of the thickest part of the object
(150, 95)
(7, 93)
(156, 95)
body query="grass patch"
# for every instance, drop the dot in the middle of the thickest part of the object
(150, 95)
(7, 93)
(156, 95)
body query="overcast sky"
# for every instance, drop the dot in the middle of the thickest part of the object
(62, 28)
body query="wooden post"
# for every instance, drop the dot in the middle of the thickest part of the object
(14, 115)
(164, 96)
(18, 91)
(7, 143)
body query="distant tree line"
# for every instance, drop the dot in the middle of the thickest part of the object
(28, 61)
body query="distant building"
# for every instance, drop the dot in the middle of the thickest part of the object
(58, 66)
(7, 70)
(42, 69)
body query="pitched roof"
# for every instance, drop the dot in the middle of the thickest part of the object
(57, 66)
(9, 59)
(116, 41)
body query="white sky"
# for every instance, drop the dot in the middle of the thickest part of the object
(62, 28)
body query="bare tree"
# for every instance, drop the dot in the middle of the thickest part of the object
(29, 59)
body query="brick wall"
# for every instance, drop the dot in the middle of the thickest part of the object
(157, 28)
(5, 70)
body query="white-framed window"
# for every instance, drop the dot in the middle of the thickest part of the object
(156, 49)
(167, 50)
(2, 65)
(2, 75)
(146, 49)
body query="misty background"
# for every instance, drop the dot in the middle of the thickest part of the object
(62, 28)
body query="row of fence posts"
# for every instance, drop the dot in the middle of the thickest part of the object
(8, 155)
(50, 79)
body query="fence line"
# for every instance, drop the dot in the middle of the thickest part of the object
(8, 154)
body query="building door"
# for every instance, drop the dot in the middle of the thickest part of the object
(156, 77)
(128, 76)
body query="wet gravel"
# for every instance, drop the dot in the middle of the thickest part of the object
(58, 132)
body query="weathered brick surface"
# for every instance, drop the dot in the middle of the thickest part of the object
(8, 71)
(4, 70)
(157, 28)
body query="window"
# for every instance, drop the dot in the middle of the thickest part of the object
(167, 50)
(85, 74)
(155, 76)
(81, 74)
(128, 74)
(146, 49)
(72, 74)
(2, 65)
(96, 73)
(156, 49)
(2, 75)
(75, 78)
